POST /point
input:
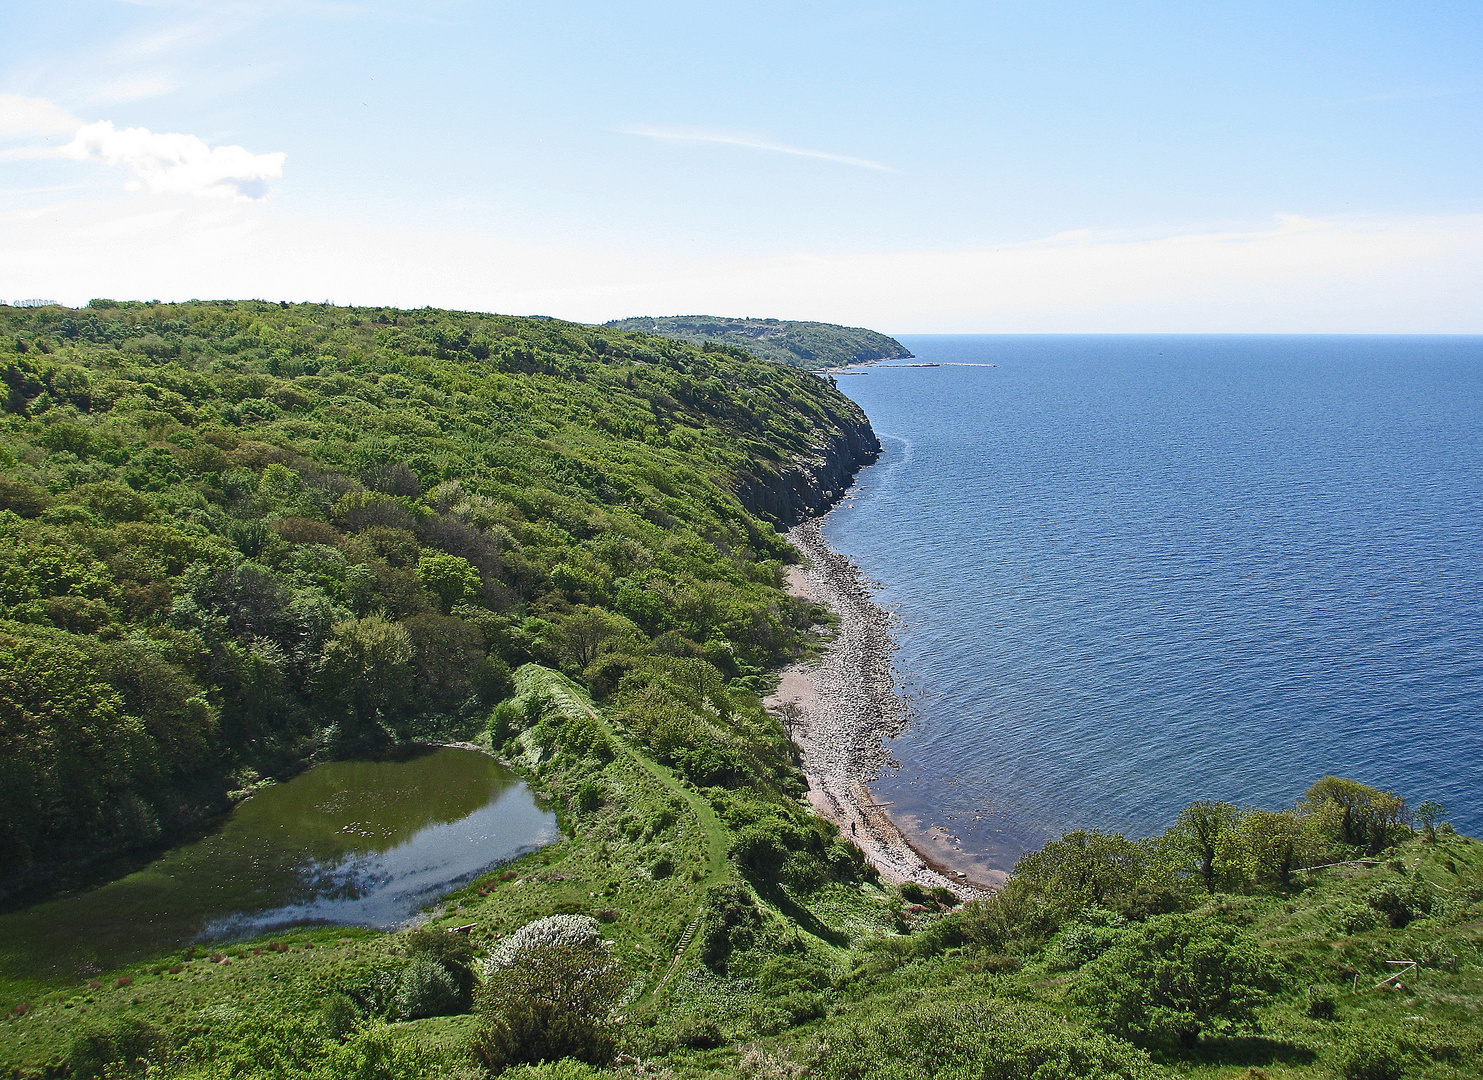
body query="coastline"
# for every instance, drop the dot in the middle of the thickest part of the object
(843, 707)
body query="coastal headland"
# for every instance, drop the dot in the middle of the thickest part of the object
(812, 345)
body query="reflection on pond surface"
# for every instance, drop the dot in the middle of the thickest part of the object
(364, 843)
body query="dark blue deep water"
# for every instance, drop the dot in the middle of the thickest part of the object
(1136, 571)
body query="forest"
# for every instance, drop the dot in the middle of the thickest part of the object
(242, 537)
(238, 535)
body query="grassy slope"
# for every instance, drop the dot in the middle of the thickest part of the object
(798, 344)
(1434, 1016)
(603, 865)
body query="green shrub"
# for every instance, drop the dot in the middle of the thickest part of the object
(1370, 1057)
(1401, 902)
(22, 498)
(427, 989)
(339, 1016)
(913, 893)
(585, 737)
(373, 1053)
(759, 850)
(536, 706)
(260, 1044)
(1085, 869)
(589, 797)
(454, 953)
(1176, 977)
(505, 720)
(1092, 934)
(876, 956)
(1322, 1003)
(123, 1046)
(1355, 918)
(787, 973)
(558, 1001)
(491, 680)
(730, 923)
(696, 1033)
(1014, 918)
(990, 1040)
(1439, 954)
(777, 1014)
(565, 1069)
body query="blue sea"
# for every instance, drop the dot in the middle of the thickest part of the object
(1131, 572)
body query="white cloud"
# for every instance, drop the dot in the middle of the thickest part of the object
(50, 189)
(177, 164)
(33, 116)
(1300, 275)
(751, 142)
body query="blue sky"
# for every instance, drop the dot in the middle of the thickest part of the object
(934, 166)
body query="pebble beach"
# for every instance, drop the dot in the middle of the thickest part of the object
(844, 706)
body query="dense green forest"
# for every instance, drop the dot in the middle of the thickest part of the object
(244, 536)
(799, 344)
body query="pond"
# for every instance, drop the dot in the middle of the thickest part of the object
(362, 843)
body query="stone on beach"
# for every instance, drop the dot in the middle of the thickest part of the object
(845, 707)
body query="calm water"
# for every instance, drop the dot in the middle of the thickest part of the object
(1136, 571)
(364, 843)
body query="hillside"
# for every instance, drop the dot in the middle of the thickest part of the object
(240, 537)
(237, 535)
(798, 344)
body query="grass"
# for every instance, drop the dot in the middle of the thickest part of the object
(641, 859)
(604, 865)
(1433, 1016)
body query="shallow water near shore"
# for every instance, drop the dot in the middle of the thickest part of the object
(1136, 571)
(362, 843)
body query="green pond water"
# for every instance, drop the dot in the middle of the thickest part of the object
(364, 843)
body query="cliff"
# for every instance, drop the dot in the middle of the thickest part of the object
(811, 482)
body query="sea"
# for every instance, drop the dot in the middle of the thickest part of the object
(1129, 572)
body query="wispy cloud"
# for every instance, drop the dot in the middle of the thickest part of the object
(176, 164)
(750, 142)
(133, 88)
(20, 116)
(51, 189)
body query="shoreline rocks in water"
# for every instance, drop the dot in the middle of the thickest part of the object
(840, 710)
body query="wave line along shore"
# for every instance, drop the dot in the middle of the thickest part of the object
(842, 707)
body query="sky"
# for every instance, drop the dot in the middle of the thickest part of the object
(1045, 167)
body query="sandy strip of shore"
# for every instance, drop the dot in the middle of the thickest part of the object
(843, 706)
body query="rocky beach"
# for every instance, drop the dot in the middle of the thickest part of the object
(840, 709)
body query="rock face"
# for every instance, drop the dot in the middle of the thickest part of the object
(811, 482)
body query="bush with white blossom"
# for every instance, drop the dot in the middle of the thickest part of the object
(580, 931)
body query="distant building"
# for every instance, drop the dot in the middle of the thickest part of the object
(33, 303)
